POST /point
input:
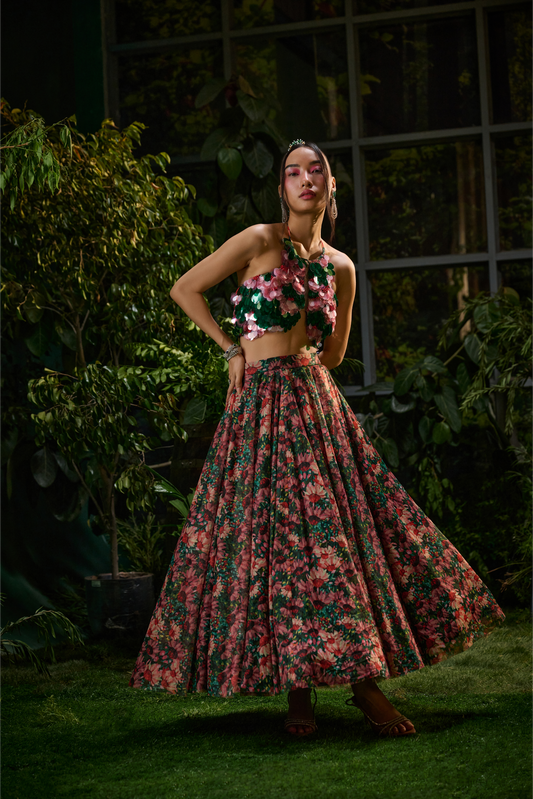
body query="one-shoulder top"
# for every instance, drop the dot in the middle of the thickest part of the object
(275, 300)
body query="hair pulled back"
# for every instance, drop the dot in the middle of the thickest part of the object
(325, 171)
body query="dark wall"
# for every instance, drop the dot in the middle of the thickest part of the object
(52, 59)
(51, 62)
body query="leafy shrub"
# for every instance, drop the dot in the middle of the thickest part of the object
(458, 434)
(86, 278)
(46, 622)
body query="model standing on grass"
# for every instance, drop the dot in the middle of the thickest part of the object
(303, 561)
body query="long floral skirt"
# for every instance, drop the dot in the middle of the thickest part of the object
(303, 560)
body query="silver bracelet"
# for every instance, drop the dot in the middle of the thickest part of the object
(234, 349)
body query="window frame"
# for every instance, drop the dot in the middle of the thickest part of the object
(358, 144)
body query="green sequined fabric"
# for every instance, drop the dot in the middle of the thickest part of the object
(274, 301)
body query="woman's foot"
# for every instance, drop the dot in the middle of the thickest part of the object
(377, 707)
(301, 710)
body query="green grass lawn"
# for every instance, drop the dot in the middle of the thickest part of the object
(84, 733)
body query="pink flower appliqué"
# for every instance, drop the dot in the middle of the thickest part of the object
(269, 288)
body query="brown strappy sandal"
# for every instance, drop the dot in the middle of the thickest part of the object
(384, 728)
(309, 723)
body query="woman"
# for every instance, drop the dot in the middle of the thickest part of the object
(303, 561)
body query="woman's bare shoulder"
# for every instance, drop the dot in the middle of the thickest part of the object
(262, 236)
(340, 260)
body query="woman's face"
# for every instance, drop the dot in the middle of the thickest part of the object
(305, 182)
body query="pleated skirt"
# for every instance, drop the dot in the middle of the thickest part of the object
(303, 561)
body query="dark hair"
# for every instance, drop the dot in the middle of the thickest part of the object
(325, 170)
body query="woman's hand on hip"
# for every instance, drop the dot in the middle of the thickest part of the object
(236, 375)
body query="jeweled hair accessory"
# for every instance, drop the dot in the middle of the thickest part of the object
(296, 141)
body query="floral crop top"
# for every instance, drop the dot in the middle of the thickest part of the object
(274, 301)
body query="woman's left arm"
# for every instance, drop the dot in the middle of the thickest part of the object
(335, 345)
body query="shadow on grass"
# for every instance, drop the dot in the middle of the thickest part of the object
(246, 729)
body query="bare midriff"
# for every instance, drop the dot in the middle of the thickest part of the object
(275, 345)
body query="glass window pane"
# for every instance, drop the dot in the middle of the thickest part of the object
(254, 14)
(342, 170)
(405, 330)
(345, 241)
(518, 276)
(377, 6)
(160, 91)
(427, 200)
(419, 76)
(513, 169)
(510, 64)
(141, 20)
(308, 77)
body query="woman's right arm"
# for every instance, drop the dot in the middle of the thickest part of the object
(232, 256)
(187, 292)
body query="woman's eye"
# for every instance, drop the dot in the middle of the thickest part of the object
(293, 174)
(316, 170)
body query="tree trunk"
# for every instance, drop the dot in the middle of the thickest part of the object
(110, 518)
(113, 538)
(79, 342)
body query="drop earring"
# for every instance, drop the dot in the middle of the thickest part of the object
(333, 203)
(284, 210)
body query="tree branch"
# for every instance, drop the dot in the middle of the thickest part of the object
(86, 487)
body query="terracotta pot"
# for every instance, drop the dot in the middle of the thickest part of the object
(120, 607)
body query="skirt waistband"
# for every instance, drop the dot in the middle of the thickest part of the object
(283, 362)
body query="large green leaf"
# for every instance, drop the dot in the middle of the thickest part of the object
(390, 452)
(463, 378)
(162, 486)
(208, 92)
(242, 210)
(424, 428)
(33, 307)
(472, 347)
(238, 207)
(66, 502)
(39, 339)
(491, 352)
(511, 295)
(368, 424)
(405, 380)
(447, 405)
(426, 387)
(486, 315)
(266, 198)
(217, 139)
(195, 411)
(382, 387)
(230, 161)
(255, 109)
(441, 433)
(207, 208)
(433, 364)
(66, 335)
(257, 157)
(44, 467)
(65, 468)
(181, 506)
(218, 229)
(399, 407)
(9, 442)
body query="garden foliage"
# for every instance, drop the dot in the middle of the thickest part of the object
(115, 368)
(27, 156)
(47, 623)
(86, 278)
(242, 188)
(458, 434)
